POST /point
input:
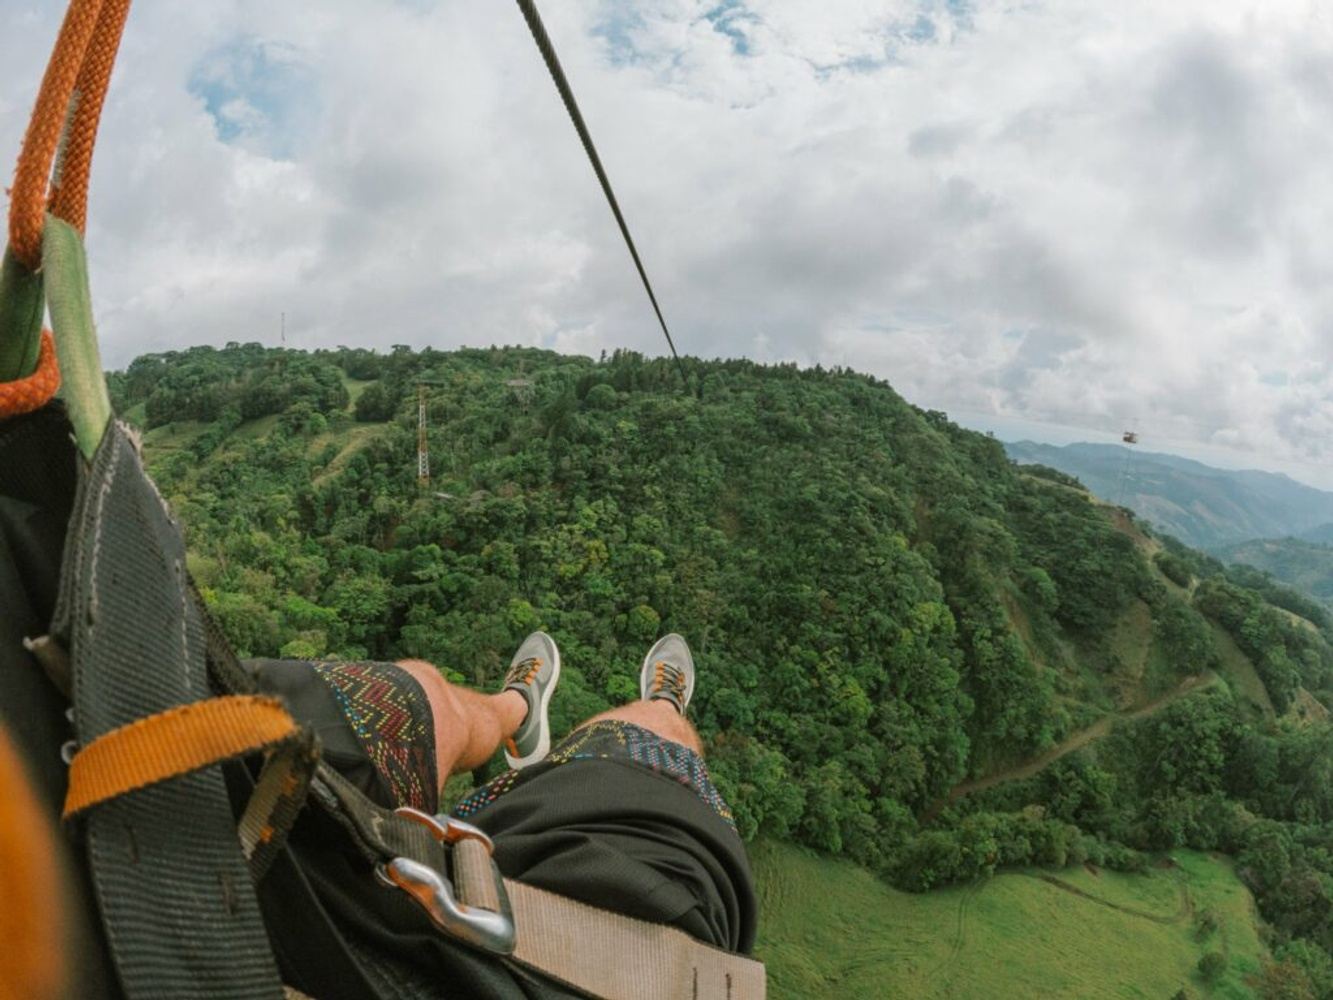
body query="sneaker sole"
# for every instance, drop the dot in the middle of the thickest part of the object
(643, 673)
(543, 741)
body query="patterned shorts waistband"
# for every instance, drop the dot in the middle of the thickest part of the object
(612, 739)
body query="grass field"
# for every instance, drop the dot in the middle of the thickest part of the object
(170, 437)
(828, 928)
(355, 387)
(349, 441)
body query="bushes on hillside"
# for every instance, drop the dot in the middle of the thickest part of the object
(1212, 966)
(1054, 475)
(1096, 569)
(1173, 568)
(1278, 595)
(377, 403)
(984, 842)
(1285, 655)
(1184, 636)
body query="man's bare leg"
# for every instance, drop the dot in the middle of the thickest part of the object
(658, 717)
(469, 727)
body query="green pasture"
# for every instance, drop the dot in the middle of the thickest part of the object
(831, 929)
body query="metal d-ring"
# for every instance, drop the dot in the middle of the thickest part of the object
(489, 930)
(445, 828)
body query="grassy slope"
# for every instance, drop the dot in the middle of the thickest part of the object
(355, 387)
(168, 438)
(831, 929)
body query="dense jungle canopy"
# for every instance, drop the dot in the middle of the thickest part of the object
(888, 615)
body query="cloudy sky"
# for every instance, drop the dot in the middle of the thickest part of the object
(1060, 214)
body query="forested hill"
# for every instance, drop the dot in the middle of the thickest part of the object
(890, 618)
(1199, 504)
(1304, 565)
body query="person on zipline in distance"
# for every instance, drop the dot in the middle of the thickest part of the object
(622, 814)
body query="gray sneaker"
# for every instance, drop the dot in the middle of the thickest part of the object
(668, 672)
(532, 673)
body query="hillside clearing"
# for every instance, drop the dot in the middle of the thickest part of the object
(349, 441)
(828, 928)
(1240, 673)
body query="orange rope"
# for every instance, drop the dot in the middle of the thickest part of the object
(69, 104)
(35, 391)
(27, 206)
(69, 188)
(171, 743)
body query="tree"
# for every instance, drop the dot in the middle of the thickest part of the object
(1212, 966)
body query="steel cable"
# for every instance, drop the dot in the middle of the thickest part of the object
(547, 49)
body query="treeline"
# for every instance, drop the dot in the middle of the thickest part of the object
(1180, 562)
(239, 382)
(881, 604)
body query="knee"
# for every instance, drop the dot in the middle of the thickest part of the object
(671, 725)
(689, 736)
(428, 677)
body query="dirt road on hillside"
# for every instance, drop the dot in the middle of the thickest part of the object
(1077, 741)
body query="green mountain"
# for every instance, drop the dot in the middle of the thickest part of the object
(1202, 506)
(1257, 519)
(1306, 566)
(914, 656)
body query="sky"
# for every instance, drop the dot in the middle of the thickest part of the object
(1073, 215)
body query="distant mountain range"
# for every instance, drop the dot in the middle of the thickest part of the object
(1202, 506)
(1305, 565)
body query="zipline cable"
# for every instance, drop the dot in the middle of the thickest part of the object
(543, 40)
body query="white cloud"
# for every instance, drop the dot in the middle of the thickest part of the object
(1075, 212)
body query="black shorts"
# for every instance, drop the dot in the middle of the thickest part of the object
(615, 816)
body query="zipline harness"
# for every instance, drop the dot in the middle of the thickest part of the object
(183, 781)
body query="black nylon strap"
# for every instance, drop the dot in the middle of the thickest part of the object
(311, 953)
(37, 483)
(175, 895)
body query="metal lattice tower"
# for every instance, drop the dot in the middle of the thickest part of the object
(423, 440)
(522, 390)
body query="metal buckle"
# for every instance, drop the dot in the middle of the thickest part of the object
(489, 930)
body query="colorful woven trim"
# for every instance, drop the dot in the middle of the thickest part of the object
(391, 717)
(612, 739)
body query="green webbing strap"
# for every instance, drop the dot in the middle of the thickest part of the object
(377, 833)
(83, 384)
(21, 307)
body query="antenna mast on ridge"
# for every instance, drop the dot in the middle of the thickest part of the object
(423, 448)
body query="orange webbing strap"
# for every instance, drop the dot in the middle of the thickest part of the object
(78, 73)
(32, 393)
(32, 890)
(172, 743)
